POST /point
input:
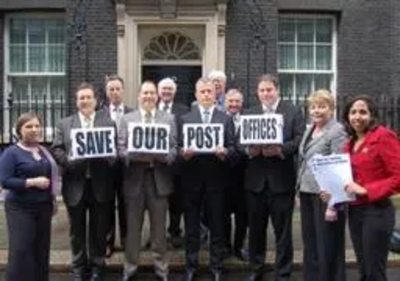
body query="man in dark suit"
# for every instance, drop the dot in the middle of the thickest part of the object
(86, 188)
(235, 194)
(166, 92)
(270, 183)
(203, 181)
(114, 110)
(147, 184)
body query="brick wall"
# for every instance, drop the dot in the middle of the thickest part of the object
(364, 47)
(32, 4)
(368, 58)
(95, 55)
(245, 59)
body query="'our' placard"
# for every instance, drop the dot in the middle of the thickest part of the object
(92, 142)
(148, 138)
(261, 129)
(203, 137)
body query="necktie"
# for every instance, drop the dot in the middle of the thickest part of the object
(268, 109)
(206, 116)
(147, 117)
(87, 122)
(118, 115)
(166, 107)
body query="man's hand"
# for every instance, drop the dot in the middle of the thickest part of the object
(220, 152)
(272, 150)
(254, 150)
(187, 154)
(325, 196)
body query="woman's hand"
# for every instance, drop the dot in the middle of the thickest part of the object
(325, 196)
(330, 214)
(38, 182)
(354, 188)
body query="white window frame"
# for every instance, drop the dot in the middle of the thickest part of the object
(333, 72)
(7, 76)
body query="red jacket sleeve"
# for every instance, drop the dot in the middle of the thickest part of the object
(389, 152)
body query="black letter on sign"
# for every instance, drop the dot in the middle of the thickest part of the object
(137, 137)
(80, 141)
(162, 139)
(108, 141)
(216, 133)
(272, 129)
(208, 138)
(191, 136)
(150, 138)
(91, 149)
(199, 137)
(99, 140)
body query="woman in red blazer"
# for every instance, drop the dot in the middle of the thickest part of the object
(375, 159)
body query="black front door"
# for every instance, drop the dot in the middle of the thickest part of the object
(185, 78)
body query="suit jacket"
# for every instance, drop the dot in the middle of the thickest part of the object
(133, 170)
(208, 169)
(74, 172)
(376, 165)
(330, 141)
(275, 173)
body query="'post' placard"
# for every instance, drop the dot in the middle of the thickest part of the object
(148, 138)
(261, 129)
(92, 142)
(203, 137)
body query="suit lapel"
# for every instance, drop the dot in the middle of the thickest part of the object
(317, 139)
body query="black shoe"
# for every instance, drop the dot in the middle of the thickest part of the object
(189, 275)
(95, 277)
(126, 278)
(217, 275)
(242, 254)
(255, 276)
(176, 241)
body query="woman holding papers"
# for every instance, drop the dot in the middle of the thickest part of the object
(29, 174)
(375, 159)
(322, 224)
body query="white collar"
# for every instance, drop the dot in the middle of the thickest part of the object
(115, 108)
(210, 110)
(143, 112)
(274, 106)
(83, 118)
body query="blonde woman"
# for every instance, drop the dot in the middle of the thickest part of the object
(322, 225)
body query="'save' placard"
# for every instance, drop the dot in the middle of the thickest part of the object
(92, 142)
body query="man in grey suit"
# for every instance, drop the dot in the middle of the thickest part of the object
(87, 188)
(147, 184)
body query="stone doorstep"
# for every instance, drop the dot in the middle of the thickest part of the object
(60, 261)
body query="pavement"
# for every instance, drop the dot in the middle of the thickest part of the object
(60, 255)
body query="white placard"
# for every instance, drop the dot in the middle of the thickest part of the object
(203, 137)
(92, 142)
(148, 138)
(261, 129)
(333, 173)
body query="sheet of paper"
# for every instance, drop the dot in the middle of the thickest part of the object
(332, 173)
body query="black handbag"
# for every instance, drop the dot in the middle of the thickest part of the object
(394, 241)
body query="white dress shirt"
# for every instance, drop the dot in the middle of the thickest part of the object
(162, 104)
(116, 111)
(143, 114)
(271, 108)
(84, 121)
(210, 111)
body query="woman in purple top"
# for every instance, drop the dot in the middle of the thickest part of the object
(27, 173)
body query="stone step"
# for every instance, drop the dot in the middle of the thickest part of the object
(60, 261)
